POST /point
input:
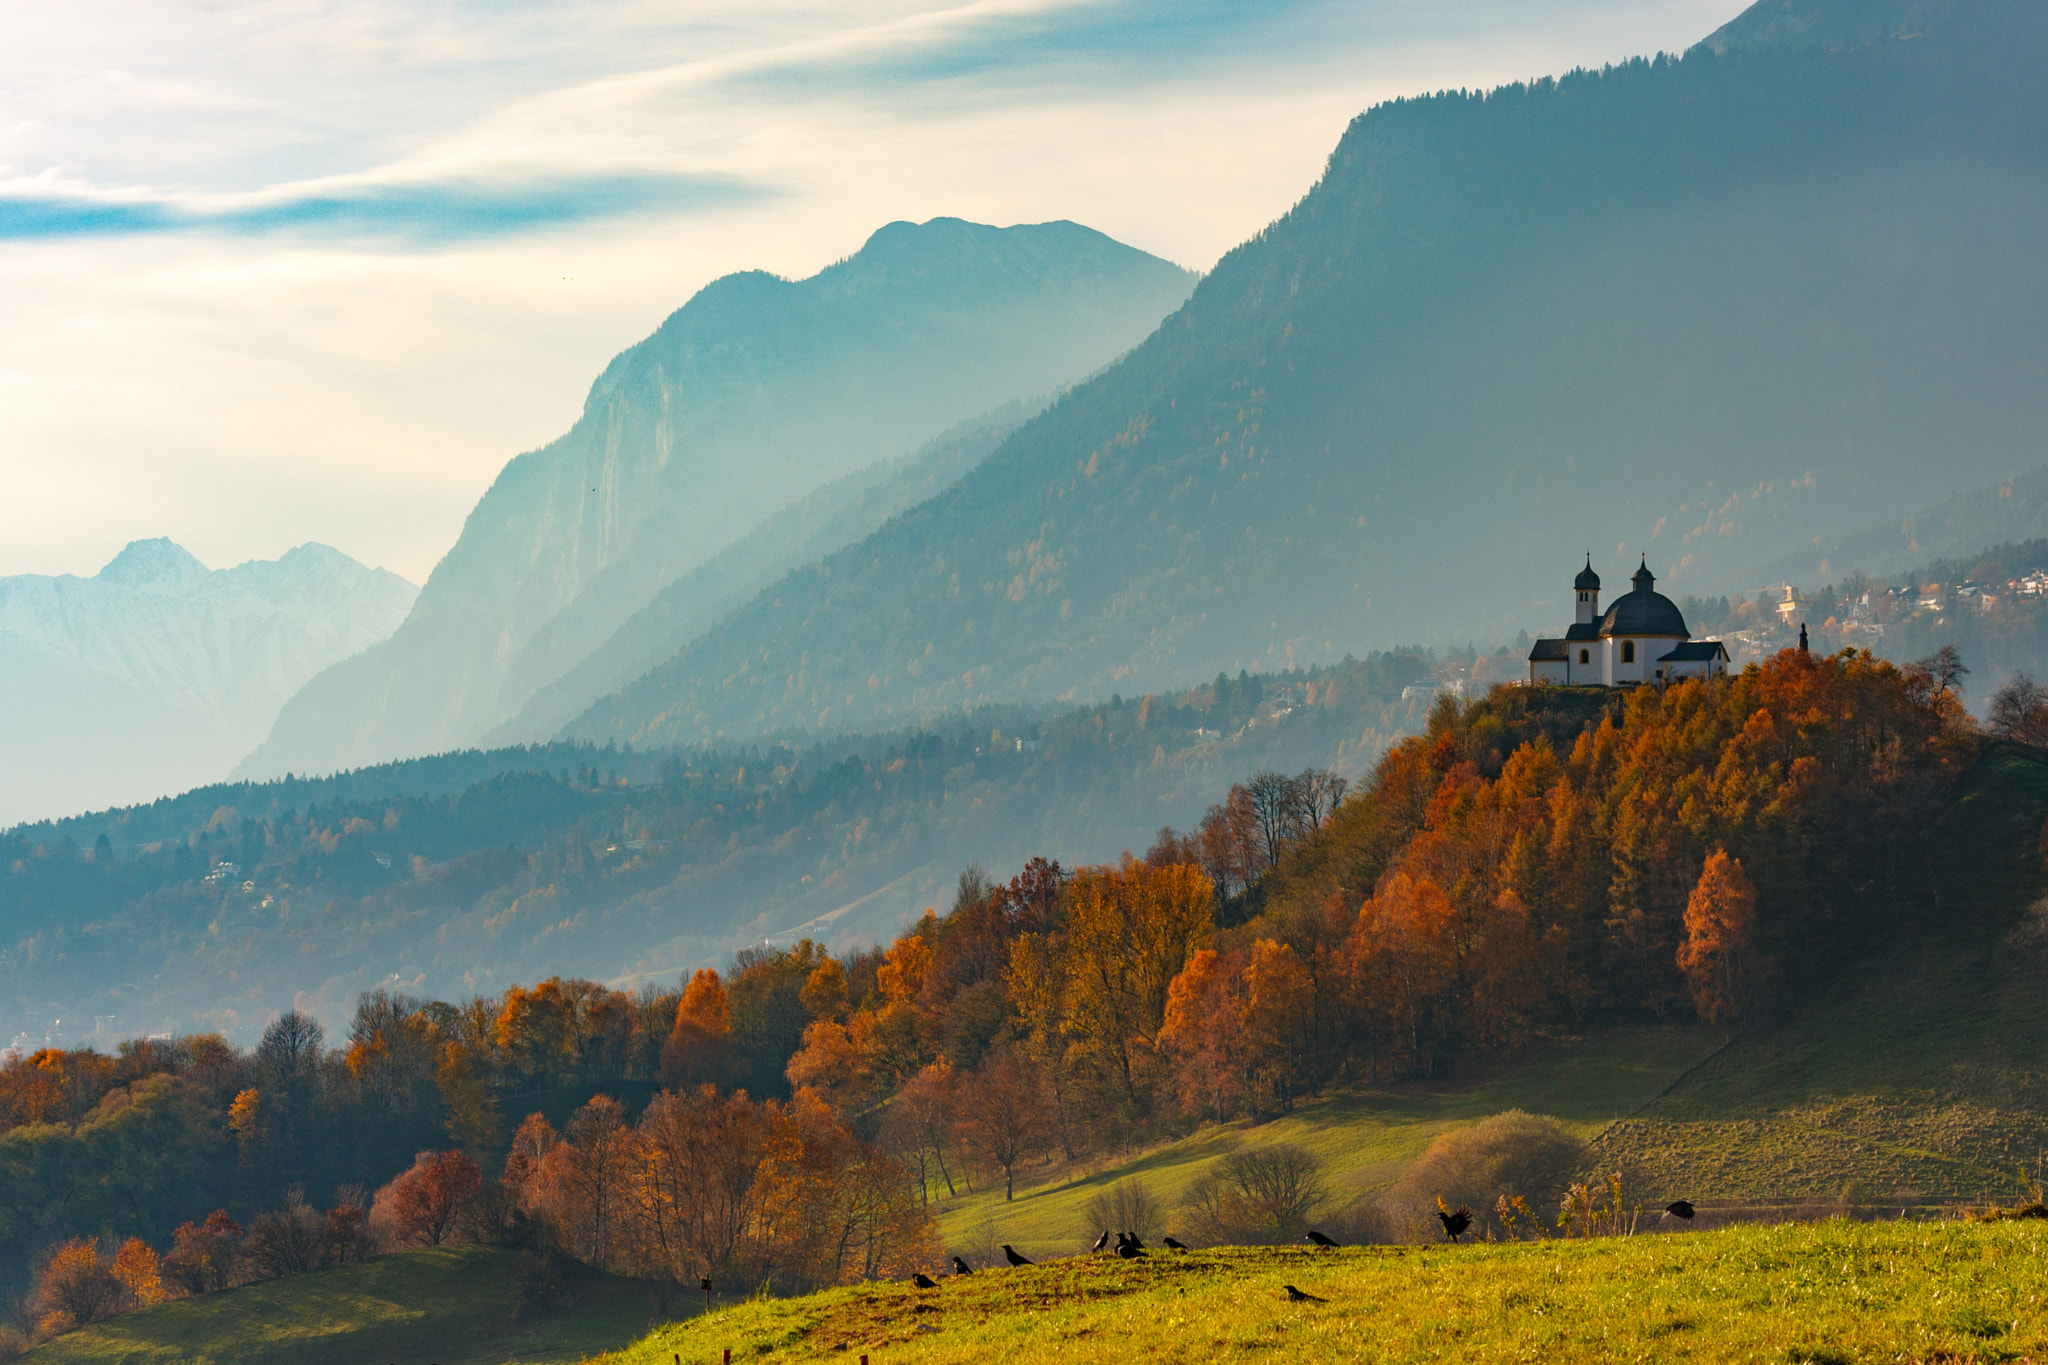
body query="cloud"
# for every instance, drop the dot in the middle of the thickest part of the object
(420, 213)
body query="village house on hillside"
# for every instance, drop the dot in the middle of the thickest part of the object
(1642, 638)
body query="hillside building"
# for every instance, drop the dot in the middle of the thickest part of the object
(1641, 638)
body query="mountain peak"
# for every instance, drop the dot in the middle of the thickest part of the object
(160, 562)
(1791, 25)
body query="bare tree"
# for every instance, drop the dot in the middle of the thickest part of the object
(291, 1048)
(2019, 711)
(1317, 794)
(1276, 810)
(1944, 670)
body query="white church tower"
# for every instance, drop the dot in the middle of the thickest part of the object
(1587, 586)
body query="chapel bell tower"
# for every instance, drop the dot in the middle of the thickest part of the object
(1587, 588)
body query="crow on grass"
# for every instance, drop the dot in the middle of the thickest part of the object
(1303, 1296)
(1172, 1245)
(961, 1267)
(1313, 1236)
(1013, 1256)
(1681, 1209)
(1455, 1221)
(1129, 1251)
(1102, 1241)
(924, 1281)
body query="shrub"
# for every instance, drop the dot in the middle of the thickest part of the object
(1511, 1155)
(1259, 1197)
(288, 1240)
(1127, 1206)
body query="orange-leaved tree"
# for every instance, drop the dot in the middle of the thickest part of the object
(435, 1201)
(1719, 956)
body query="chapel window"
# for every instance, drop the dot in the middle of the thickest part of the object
(1628, 651)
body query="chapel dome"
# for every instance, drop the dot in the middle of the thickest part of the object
(1644, 611)
(1587, 581)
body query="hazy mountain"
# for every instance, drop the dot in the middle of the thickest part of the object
(1792, 25)
(756, 391)
(1708, 308)
(1958, 526)
(157, 673)
(822, 521)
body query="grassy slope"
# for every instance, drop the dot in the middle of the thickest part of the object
(1365, 1137)
(450, 1306)
(1829, 1292)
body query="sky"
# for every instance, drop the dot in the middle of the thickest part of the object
(277, 271)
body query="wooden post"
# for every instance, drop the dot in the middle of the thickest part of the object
(706, 1286)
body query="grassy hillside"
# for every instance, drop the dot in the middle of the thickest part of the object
(1827, 1292)
(1365, 1137)
(452, 1306)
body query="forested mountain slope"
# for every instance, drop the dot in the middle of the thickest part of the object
(467, 871)
(157, 673)
(1708, 308)
(755, 392)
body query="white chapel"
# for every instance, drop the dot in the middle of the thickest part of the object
(1642, 638)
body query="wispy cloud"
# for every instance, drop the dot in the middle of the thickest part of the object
(417, 213)
(288, 270)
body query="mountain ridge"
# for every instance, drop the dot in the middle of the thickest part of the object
(1515, 318)
(156, 673)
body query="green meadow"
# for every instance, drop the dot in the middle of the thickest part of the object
(1821, 1292)
(451, 1306)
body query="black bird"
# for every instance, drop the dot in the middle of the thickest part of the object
(1681, 1209)
(1012, 1255)
(1456, 1221)
(1172, 1245)
(1313, 1236)
(1135, 1240)
(1102, 1241)
(1303, 1296)
(1129, 1251)
(961, 1267)
(923, 1281)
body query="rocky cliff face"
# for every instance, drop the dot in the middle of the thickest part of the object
(157, 673)
(755, 392)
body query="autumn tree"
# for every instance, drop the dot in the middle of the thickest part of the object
(694, 1185)
(1203, 1034)
(1719, 956)
(472, 1109)
(203, 1255)
(1005, 1115)
(140, 1274)
(76, 1287)
(919, 1123)
(435, 1200)
(1129, 930)
(583, 1182)
(835, 1209)
(697, 1048)
(531, 1144)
